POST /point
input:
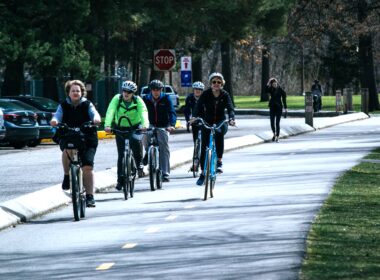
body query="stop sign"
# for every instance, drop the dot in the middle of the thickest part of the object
(164, 59)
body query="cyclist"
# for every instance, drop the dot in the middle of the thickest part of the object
(75, 111)
(212, 105)
(316, 91)
(127, 104)
(277, 104)
(161, 114)
(190, 103)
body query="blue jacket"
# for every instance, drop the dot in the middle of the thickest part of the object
(161, 112)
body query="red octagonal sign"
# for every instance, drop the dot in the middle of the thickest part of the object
(164, 60)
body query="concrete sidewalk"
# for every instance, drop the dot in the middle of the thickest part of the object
(29, 206)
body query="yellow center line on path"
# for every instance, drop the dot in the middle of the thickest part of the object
(230, 183)
(189, 206)
(152, 230)
(129, 245)
(105, 266)
(171, 217)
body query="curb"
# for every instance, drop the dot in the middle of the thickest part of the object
(32, 205)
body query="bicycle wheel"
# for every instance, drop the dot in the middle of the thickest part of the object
(208, 171)
(152, 168)
(127, 172)
(82, 195)
(132, 177)
(196, 157)
(212, 174)
(75, 194)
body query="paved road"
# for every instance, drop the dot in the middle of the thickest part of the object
(254, 228)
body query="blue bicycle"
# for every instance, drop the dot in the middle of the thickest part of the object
(210, 158)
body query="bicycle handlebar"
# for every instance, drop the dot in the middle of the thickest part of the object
(64, 126)
(214, 126)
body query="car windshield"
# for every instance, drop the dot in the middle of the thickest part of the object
(47, 104)
(15, 105)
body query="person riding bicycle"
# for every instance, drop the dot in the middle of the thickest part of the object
(133, 107)
(212, 105)
(75, 111)
(190, 104)
(161, 114)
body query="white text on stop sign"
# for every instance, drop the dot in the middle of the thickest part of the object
(164, 59)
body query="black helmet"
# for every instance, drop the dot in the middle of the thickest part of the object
(316, 81)
(156, 84)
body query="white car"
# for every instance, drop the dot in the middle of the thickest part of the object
(168, 90)
(2, 127)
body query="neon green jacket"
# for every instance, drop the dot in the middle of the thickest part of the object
(137, 112)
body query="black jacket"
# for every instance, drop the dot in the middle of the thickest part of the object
(214, 109)
(277, 98)
(161, 112)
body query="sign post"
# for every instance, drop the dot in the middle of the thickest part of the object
(186, 71)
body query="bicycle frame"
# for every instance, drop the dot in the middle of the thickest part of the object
(155, 176)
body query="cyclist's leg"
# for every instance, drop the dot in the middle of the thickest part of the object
(194, 130)
(145, 142)
(163, 143)
(205, 140)
(219, 147)
(137, 150)
(87, 157)
(65, 165)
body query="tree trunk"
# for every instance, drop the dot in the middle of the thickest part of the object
(367, 71)
(225, 49)
(264, 73)
(13, 78)
(50, 88)
(197, 66)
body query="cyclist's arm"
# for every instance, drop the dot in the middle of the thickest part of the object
(283, 95)
(111, 111)
(94, 114)
(230, 110)
(171, 112)
(143, 111)
(58, 115)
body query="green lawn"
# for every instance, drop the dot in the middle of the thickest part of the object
(294, 102)
(344, 241)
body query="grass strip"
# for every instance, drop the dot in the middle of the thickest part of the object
(344, 240)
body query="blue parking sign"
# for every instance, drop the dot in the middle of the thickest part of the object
(185, 78)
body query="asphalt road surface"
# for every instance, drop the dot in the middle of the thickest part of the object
(254, 228)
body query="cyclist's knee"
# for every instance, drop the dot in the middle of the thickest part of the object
(87, 168)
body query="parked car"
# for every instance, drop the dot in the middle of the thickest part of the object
(168, 89)
(41, 103)
(2, 127)
(43, 118)
(21, 125)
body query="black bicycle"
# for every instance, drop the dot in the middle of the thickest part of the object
(210, 158)
(153, 151)
(129, 167)
(74, 141)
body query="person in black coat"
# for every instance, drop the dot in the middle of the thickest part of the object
(212, 105)
(277, 103)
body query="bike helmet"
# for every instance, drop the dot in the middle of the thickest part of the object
(216, 74)
(156, 84)
(198, 85)
(129, 86)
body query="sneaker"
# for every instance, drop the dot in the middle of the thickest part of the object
(90, 201)
(277, 139)
(165, 178)
(66, 183)
(140, 171)
(219, 167)
(201, 180)
(119, 186)
(145, 159)
(273, 138)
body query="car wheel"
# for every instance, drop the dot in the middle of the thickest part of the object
(34, 143)
(18, 145)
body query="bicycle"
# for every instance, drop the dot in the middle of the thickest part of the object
(197, 154)
(73, 138)
(129, 167)
(210, 158)
(153, 151)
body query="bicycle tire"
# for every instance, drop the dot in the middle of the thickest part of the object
(82, 195)
(152, 168)
(75, 194)
(133, 176)
(196, 157)
(212, 174)
(208, 170)
(127, 172)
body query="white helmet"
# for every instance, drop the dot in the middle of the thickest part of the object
(216, 74)
(198, 85)
(129, 86)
